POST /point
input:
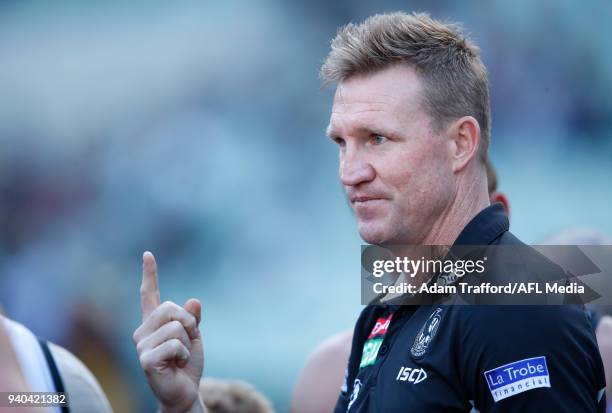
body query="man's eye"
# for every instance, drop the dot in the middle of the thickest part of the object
(339, 141)
(377, 140)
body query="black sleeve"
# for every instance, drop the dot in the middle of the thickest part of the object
(362, 327)
(594, 318)
(532, 359)
(343, 398)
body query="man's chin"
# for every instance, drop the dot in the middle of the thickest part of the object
(376, 236)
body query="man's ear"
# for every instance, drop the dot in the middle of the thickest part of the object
(465, 140)
(502, 199)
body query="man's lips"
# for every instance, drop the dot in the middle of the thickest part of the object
(365, 198)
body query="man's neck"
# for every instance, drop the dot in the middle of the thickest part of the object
(465, 205)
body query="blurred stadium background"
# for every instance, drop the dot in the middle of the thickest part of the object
(196, 129)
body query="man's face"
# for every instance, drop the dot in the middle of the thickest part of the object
(395, 170)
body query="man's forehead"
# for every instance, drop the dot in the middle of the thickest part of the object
(363, 106)
(386, 98)
(363, 102)
(352, 97)
(394, 84)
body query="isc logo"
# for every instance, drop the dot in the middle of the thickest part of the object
(411, 375)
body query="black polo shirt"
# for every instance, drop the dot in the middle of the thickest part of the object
(482, 358)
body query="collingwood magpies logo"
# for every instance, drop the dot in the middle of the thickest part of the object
(426, 333)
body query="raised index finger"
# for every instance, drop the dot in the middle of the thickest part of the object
(149, 289)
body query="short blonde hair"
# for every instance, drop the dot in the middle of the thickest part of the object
(455, 79)
(221, 396)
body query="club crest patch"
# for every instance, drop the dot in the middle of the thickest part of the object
(426, 333)
(374, 341)
(517, 377)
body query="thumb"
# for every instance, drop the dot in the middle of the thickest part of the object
(194, 307)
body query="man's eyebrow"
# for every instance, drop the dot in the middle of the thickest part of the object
(332, 133)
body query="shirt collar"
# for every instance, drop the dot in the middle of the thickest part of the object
(485, 227)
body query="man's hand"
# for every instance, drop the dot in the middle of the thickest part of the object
(169, 345)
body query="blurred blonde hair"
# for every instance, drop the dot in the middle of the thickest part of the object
(221, 396)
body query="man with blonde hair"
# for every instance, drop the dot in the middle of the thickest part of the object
(411, 119)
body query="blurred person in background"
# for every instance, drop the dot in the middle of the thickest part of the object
(90, 339)
(45, 367)
(11, 375)
(599, 316)
(222, 396)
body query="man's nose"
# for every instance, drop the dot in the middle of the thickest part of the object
(354, 169)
